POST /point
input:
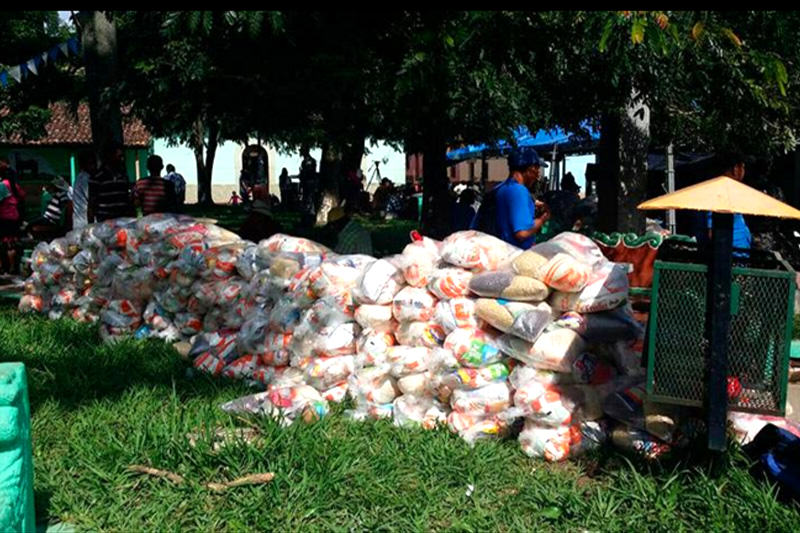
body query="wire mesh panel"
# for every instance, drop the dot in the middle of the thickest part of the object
(678, 339)
(761, 304)
(759, 341)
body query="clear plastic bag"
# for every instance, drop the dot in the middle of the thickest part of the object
(33, 303)
(242, 368)
(473, 347)
(413, 305)
(523, 320)
(456, 313)
(123, 314)
(379, 282)
(487, 428)
(477, 251)
(447, 283)
(415, 384)
(286, 243)
(419, 261)
(560, 443)
(428, 334)
(491, 399)
(373, 385)
(372, 347)
(219, 262)
(219, 344)
(505, 284)
(407, 360)
(602, 327)
(549, 405)
(285, 404)
(606, 289)
(555, 350)
(378, 317)
(323, 373)
(425, 411)
(475, 378)
(579, 247)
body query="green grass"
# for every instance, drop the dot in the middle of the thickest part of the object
(99, 408)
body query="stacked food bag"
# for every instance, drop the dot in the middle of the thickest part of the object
(469, 332)
(560, 306)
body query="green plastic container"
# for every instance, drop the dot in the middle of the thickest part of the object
(762, 304)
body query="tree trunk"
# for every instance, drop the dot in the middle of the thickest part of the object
(608, 173)
(99, 40)
(328, 195)
(211, 152)
(353, 153)
(203, 183)
(436, 193)
(633, 148)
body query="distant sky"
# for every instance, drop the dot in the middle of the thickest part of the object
(65, 15)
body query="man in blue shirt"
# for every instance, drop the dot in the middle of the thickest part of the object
(516, 220)
(741, 233)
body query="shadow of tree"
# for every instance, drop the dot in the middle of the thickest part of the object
(66, 361)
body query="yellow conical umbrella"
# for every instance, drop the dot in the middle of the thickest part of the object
(723, 195)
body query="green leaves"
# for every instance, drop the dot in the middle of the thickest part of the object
(637, 31)
(607, 29)
(698, 30)
(727, 32)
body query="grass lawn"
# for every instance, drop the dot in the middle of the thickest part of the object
(99, 408)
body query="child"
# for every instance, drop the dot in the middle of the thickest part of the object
(235, 198)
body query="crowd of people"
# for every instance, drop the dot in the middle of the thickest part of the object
(101, 190)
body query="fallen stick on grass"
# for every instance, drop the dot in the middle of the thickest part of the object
(141, 469)
(252, 479)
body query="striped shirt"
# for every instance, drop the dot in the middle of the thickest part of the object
(55, 208)
(155, 195)
(110, 195)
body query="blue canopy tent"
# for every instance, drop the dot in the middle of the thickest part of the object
(544, 142)
(552, 145)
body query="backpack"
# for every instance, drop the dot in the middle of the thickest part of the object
(486, 218)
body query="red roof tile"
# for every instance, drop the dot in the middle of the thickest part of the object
(63, 128)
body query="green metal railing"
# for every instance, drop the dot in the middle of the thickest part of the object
(762, 304)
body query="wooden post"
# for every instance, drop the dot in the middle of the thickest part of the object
(718, 320)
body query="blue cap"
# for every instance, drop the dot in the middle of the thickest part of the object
(524, 157)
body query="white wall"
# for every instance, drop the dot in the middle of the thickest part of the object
(577, 165)
(228, 162)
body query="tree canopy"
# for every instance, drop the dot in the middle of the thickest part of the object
(433, 79)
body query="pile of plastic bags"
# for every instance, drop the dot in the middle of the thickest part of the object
(469, 333)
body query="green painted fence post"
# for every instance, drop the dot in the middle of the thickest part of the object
(16, 456)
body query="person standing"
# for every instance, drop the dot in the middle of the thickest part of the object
(87, 165)
(153, 193)
(308, 179)
(508, 209)
(285, 185)
(178, 183)
(109, 187)
(12, 198)
(463, 212)
(734, 165)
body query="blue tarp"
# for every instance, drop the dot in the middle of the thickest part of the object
(543, 142)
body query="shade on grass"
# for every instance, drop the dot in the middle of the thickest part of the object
(99, 408)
